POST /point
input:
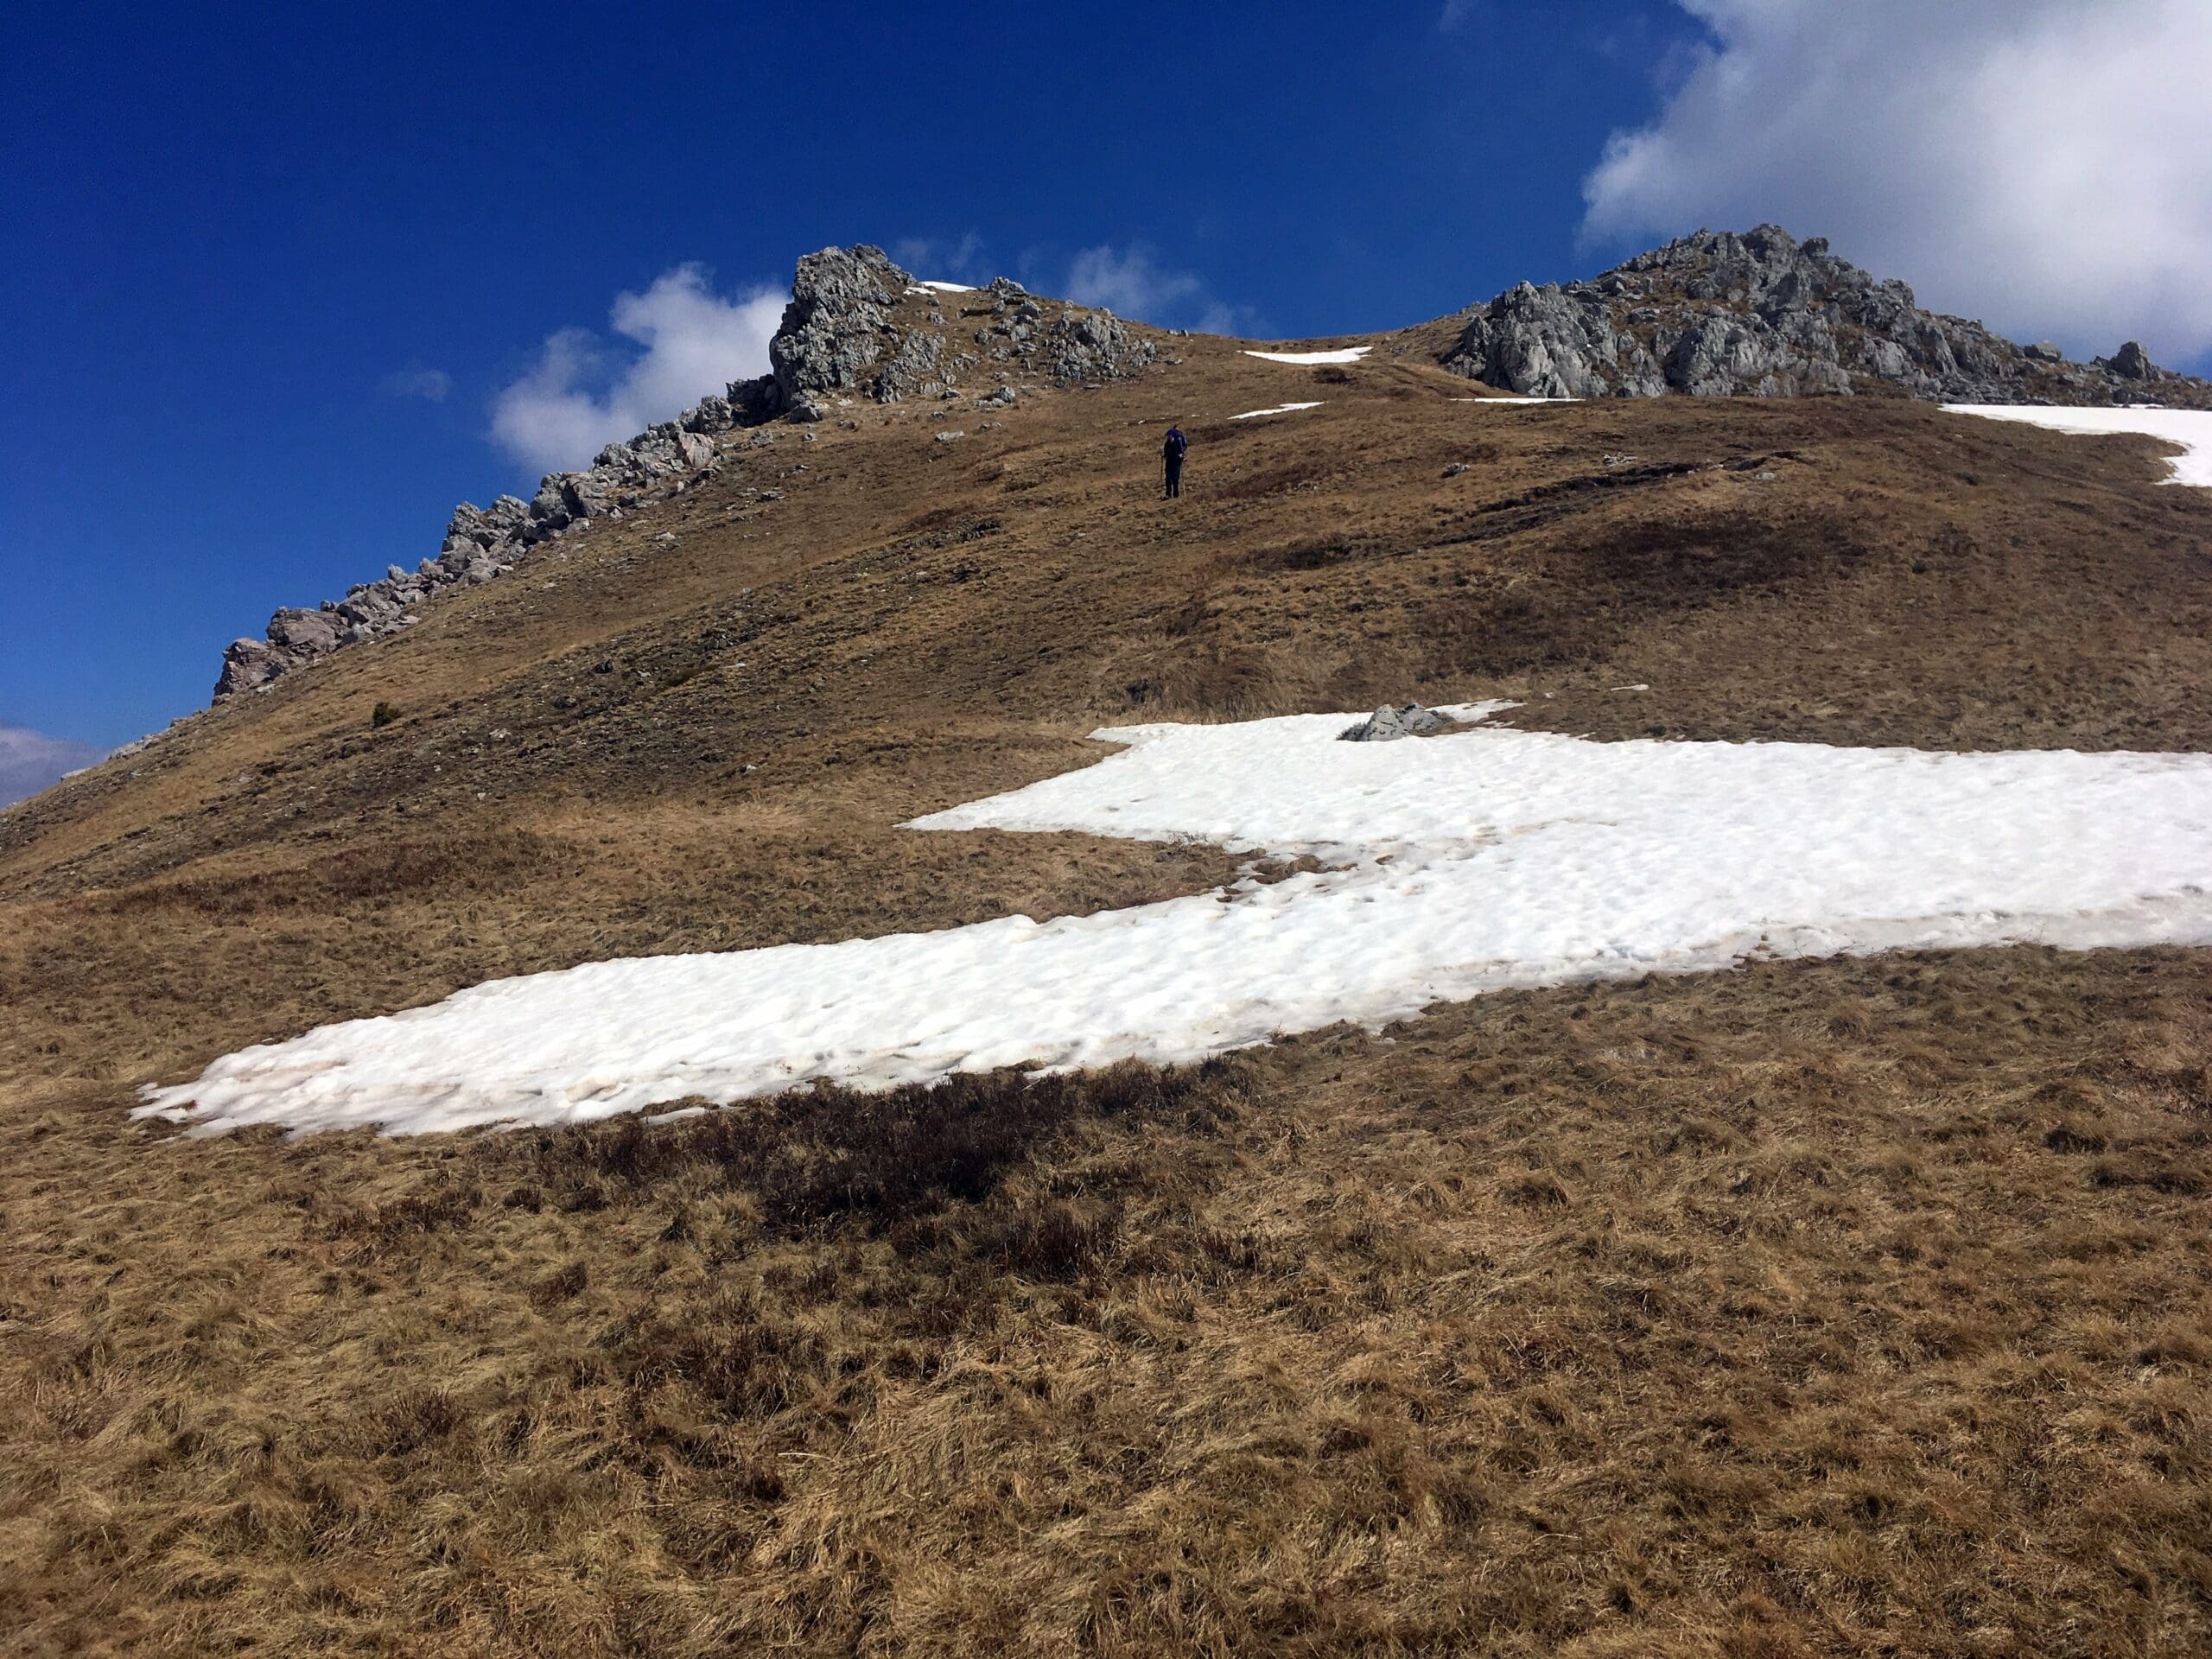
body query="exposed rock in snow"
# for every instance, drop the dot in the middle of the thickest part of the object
(1388, 724)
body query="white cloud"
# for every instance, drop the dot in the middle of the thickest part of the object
(581, 395)
(415, 381)
(939, 259)
(2045, 165)
(30, 761)
(1131, 282)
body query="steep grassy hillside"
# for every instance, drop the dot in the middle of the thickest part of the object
(1819, 1307)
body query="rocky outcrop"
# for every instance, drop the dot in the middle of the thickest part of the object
(849, 331)
(1067, 344)
(836, 329)
(1724, 315)
(483, 542)
(841, 336)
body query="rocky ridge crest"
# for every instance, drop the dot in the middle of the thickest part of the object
(842, 336)
(1723, 314)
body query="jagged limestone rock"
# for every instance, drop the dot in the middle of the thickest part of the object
(1093, 345)
(913, 367)
(1724, 315)
(831, 334)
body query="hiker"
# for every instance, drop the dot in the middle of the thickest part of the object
(1171, 461)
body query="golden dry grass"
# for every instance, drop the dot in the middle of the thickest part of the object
(1820, 1307)
(1816, 1308)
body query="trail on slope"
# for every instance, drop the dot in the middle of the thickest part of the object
(1456, 864)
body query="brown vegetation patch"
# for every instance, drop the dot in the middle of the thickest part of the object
(1822, 1307)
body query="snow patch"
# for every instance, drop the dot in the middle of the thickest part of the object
(2189, 428)
(1279, 408)
(1454, 865)
(1347, 354)
(943, 288)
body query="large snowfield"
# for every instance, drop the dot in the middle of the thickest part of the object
(1454, 865)
(2189, 428)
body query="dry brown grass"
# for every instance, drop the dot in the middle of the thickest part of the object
(1818, 1308)
(1822, 1307)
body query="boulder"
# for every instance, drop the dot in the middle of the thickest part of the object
(1390, 722)
(2132, 361)
(304, 633)
(710, 415)
(247, 664)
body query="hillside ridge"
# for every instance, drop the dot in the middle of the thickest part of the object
(858, 326)
(1758, 314)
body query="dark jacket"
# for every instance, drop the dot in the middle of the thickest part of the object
(1175, 447)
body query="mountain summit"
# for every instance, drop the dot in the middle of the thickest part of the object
(1721, 315)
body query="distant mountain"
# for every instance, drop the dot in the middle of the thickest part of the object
(1721, 314)
(30, 761)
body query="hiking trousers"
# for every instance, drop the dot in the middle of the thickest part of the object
(1174, 477)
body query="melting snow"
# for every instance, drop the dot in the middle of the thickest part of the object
(947, 287)
(1348, 354)
(1461, 864)
(2189, 428)
(1279, 408)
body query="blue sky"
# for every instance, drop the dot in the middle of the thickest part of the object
(271, 270)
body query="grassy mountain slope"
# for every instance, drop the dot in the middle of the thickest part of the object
(1809, 1308)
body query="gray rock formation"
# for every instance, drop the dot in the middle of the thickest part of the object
(1390, 723)
(1093, 345)
(482, 542)
(1721, 315)
(833, 331)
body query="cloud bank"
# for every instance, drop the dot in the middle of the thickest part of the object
(30, 761)
(2044, 165)
(583, 393)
